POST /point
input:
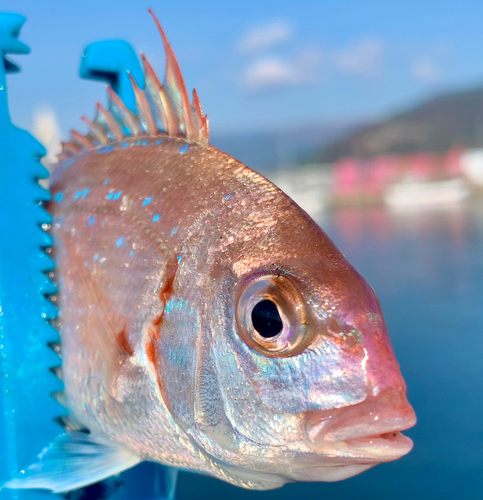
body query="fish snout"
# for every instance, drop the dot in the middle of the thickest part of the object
(369, 430)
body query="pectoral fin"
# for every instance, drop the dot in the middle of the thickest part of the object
(72, 461)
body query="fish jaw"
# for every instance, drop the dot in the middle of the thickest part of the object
(364, 434)
(331, 473)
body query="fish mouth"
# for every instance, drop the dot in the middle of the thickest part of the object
(369, 432)
(381, 447)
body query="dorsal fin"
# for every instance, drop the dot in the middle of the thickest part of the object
(161, 110)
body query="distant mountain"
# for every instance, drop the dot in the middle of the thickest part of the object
(268, 150)
(451, 119)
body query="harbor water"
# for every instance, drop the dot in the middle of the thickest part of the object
(427, 268)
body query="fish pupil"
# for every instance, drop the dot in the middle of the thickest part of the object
(266, 319)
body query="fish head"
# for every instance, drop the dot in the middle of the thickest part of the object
(295, 375)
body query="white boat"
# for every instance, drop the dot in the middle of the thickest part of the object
(418, 194)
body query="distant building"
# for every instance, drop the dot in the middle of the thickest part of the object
(368, 181)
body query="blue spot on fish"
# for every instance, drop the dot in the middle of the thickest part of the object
(109, 196)
(119, 242)
(147, 201)
(117, 195)
(85, 193)
(228, 196)
(177, 305)
(183, 149)
(138, 143)
(125, 145)
(105, 149)
(131, 253)
(145, 143)
(155, 217)
(170, 305)
(95, 257)
(91, 220)
(106, 182)
(159, 141)
(179, 259)
(77, 195)
(58, 197)
(173, 232)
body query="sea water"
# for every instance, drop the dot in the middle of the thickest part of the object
(427, 268)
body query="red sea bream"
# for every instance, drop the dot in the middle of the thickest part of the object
(207, 322)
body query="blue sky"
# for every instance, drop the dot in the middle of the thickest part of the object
(258, 64)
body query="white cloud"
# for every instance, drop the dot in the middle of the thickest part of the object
(365, 57)
(268, 72)
(278, 71)
(265, 36)
(426, 70)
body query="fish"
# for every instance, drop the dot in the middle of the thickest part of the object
(207, 322)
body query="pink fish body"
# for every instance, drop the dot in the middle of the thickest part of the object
(207, 322)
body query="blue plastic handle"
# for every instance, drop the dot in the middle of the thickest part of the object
(27, 411)
(111, 61)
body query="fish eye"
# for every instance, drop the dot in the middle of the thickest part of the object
(271, 315)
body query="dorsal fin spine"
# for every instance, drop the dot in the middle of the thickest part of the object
(160, 110)
(175, 84)
(197, 112)
(145, 111)
(110, 121)
(96, 130)
(166, 110)
(84, 140)
(129, 118)
(72, 147)
(206, 130)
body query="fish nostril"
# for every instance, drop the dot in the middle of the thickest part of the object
(333, 325)
(350, 340)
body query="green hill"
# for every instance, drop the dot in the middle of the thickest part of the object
(451, 119)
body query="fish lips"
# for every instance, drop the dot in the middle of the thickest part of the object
(364, 434)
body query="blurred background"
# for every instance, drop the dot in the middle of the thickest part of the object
(370, 115)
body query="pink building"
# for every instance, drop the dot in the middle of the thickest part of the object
(347, 178)
(379, 173)
(355, 179)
